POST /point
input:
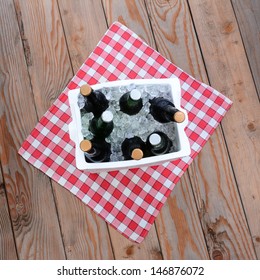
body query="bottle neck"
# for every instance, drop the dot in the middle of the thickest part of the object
(92, 96)
(92, 152)
(170, 109)
(131, 102)
(160, 147)
(105, 119)
(99, 153)
(155, 140)
(101, 124)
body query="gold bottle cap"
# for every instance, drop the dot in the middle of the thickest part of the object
(85, 145)
(137, 154)
(85, 90)
(179, 117)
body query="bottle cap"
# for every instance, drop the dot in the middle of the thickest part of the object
(155, 139)
(135, 94)
(85, 145)
(107, 116)
(137, 154)
(179, 117)
(85, 90)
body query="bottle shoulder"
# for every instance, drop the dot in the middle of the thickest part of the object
(160, 102)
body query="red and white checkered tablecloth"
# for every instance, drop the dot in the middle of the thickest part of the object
(129, 199)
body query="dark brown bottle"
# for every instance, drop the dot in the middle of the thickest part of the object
(133, 148)
(131, 102)
(96, 150)
(158, 143)
(164, 111)
(95, 101)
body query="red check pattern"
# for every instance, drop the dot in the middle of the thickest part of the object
(129, 199)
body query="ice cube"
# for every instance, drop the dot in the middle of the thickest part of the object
(152, 90)
(131, 87)
(165, 88)
(81, 101)
(123, 89)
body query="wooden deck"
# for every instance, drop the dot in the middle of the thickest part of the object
(214, 211)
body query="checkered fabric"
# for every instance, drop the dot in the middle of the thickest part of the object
(129, 199)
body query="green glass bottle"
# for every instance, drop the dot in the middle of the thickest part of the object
(96, 150)
(102, 126)
(158, 143)
(131, 102)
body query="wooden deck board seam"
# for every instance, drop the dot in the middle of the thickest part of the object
(25, 48)
(246, 52)
(8, 208)
(221, 127)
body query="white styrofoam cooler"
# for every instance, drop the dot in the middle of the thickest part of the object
(76, 135)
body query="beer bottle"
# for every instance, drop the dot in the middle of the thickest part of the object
(133, 148)
(102, 126)
(158, 143)
(95, 101)
(96, 150)
(131, 102)
(164, 111)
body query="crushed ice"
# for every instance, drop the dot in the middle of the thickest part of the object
(125, 126)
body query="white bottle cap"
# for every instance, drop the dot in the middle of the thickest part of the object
(135, 94)
(107, 116)
(155, 139)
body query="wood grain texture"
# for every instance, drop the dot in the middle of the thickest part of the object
(179, 227)
(30, 198)
(130, 13)
(222, 216)
(125, 249)
(248, 18)
(45, 49)
(173, 17)
(50, 71)
(123, 12)
(229, 72)
(175, 36)
(7, 242)
(84, 25)
(85, 233)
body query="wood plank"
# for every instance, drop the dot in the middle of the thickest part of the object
(7, 242)
(125, 249)
(176, 39)
(175, 36)
(229, 72)
(50, 71)
(222, 216)
(130, 13)
(169, 223)
(85, 234)
(34, 219)
(81, 27)
(248, 18)
(78, 33)
(179, 227)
